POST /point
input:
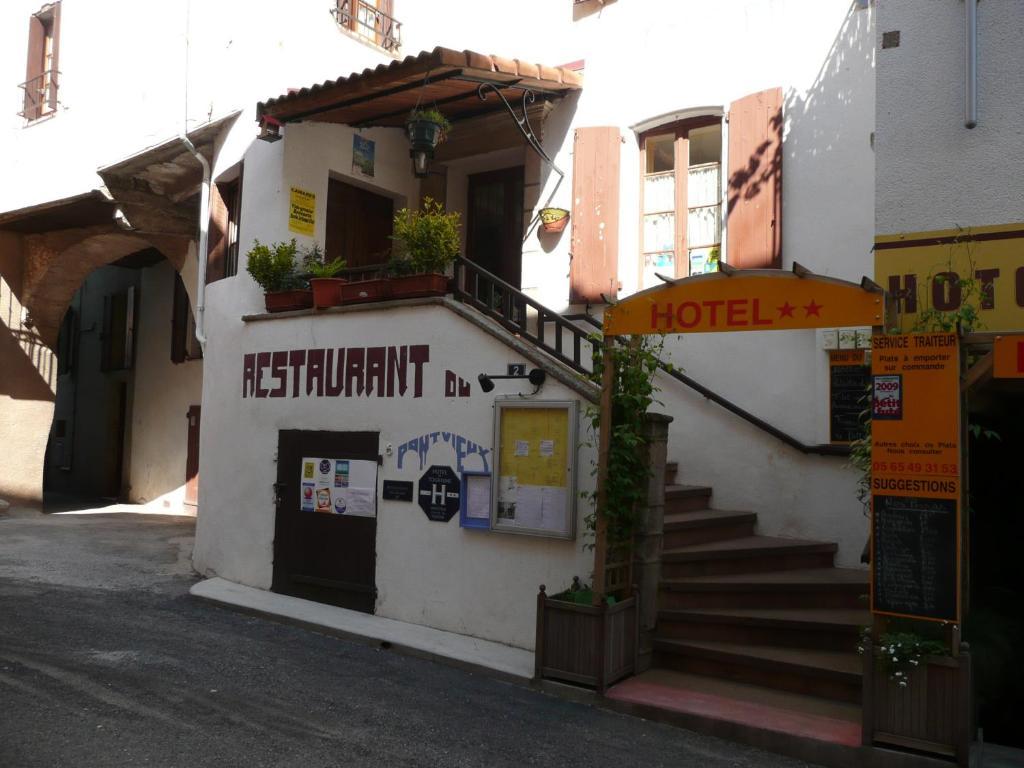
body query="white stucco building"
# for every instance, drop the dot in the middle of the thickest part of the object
(751, 149)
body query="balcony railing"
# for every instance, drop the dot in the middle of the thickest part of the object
(370, 23)
(40, 95)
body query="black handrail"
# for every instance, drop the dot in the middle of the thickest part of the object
(507, 305)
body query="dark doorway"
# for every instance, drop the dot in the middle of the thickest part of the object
(995, 622)
(330, 558)
(359, 225)
(494, 222)
(192, 459)
(118, 421)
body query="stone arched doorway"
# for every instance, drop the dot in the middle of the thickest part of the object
(80, 417)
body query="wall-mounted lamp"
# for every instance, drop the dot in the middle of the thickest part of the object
(421, 161)
(535, 377)
(270, 129)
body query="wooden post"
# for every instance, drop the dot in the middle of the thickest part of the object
(965, 708)
(538, 648)
(604, 440)
(867, 727)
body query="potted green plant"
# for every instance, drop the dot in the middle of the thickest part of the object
(426, 128)
(553, 219)
(323, 277)
(274, 270)
(426, 244)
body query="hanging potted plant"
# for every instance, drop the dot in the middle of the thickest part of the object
(553, 219)
(323, 277)
(426, 128)
(426, 244)
(273, 269)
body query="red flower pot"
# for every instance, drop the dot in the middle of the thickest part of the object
(326, 291)
(287, 301)
(553, 219)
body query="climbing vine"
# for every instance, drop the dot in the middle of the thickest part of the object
(628, 472)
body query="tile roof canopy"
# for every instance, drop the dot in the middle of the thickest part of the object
(450, 79)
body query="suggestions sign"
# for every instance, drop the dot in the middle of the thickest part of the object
(915, 476)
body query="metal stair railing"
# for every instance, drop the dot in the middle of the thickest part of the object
(507, 305)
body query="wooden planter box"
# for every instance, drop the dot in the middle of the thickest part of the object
(931, 714)
(366, 290)
(591, 645)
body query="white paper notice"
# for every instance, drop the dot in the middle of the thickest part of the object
(553, 502)
(547, 448)
(478, 498)
(361, 502)
(522, 448)
(530, 507)
(362, 474)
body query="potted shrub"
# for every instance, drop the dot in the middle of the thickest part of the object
(426, 244)
(553, 219)
(426, 128)
(323, 277)
(273, 269)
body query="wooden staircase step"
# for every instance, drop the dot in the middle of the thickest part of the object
(835, 629)
(749, 554)
(830, 674)
(686, 498)
(802, 588)
(700, 526)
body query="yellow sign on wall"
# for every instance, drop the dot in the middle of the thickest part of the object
(924, 270)
(302, 212)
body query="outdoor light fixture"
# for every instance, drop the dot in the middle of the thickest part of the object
(535, 377)
(420, 161)
(270, 129)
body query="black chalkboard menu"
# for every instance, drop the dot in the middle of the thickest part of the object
(848, 397)
(914, 557)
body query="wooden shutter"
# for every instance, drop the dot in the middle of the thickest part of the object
(384, 32)
(217, 244)
(755, 181)
(55, 57)
(34, 68)
(594, 266)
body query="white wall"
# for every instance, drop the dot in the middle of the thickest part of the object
(822, 56)
(134, 74)
(473, 582)
(932, 172)
(163, 393)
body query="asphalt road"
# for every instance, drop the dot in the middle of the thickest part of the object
(105, 660)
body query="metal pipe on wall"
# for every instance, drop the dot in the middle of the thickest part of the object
(971, 63)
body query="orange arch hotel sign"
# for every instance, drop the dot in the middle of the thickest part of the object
(751, 300)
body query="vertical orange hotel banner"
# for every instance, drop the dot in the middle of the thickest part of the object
(915, 476)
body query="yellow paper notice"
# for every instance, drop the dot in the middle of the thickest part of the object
(302, 212)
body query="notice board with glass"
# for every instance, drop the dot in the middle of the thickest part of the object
(535, 479)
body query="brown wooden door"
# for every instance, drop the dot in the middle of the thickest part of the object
(192, 458)
(494, 222)
(359, 225)
(329, 558)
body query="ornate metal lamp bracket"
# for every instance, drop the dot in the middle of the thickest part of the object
(523, 124)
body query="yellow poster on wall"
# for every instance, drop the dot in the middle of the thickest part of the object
(534, 488)
(941, 270)
(301, 212)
